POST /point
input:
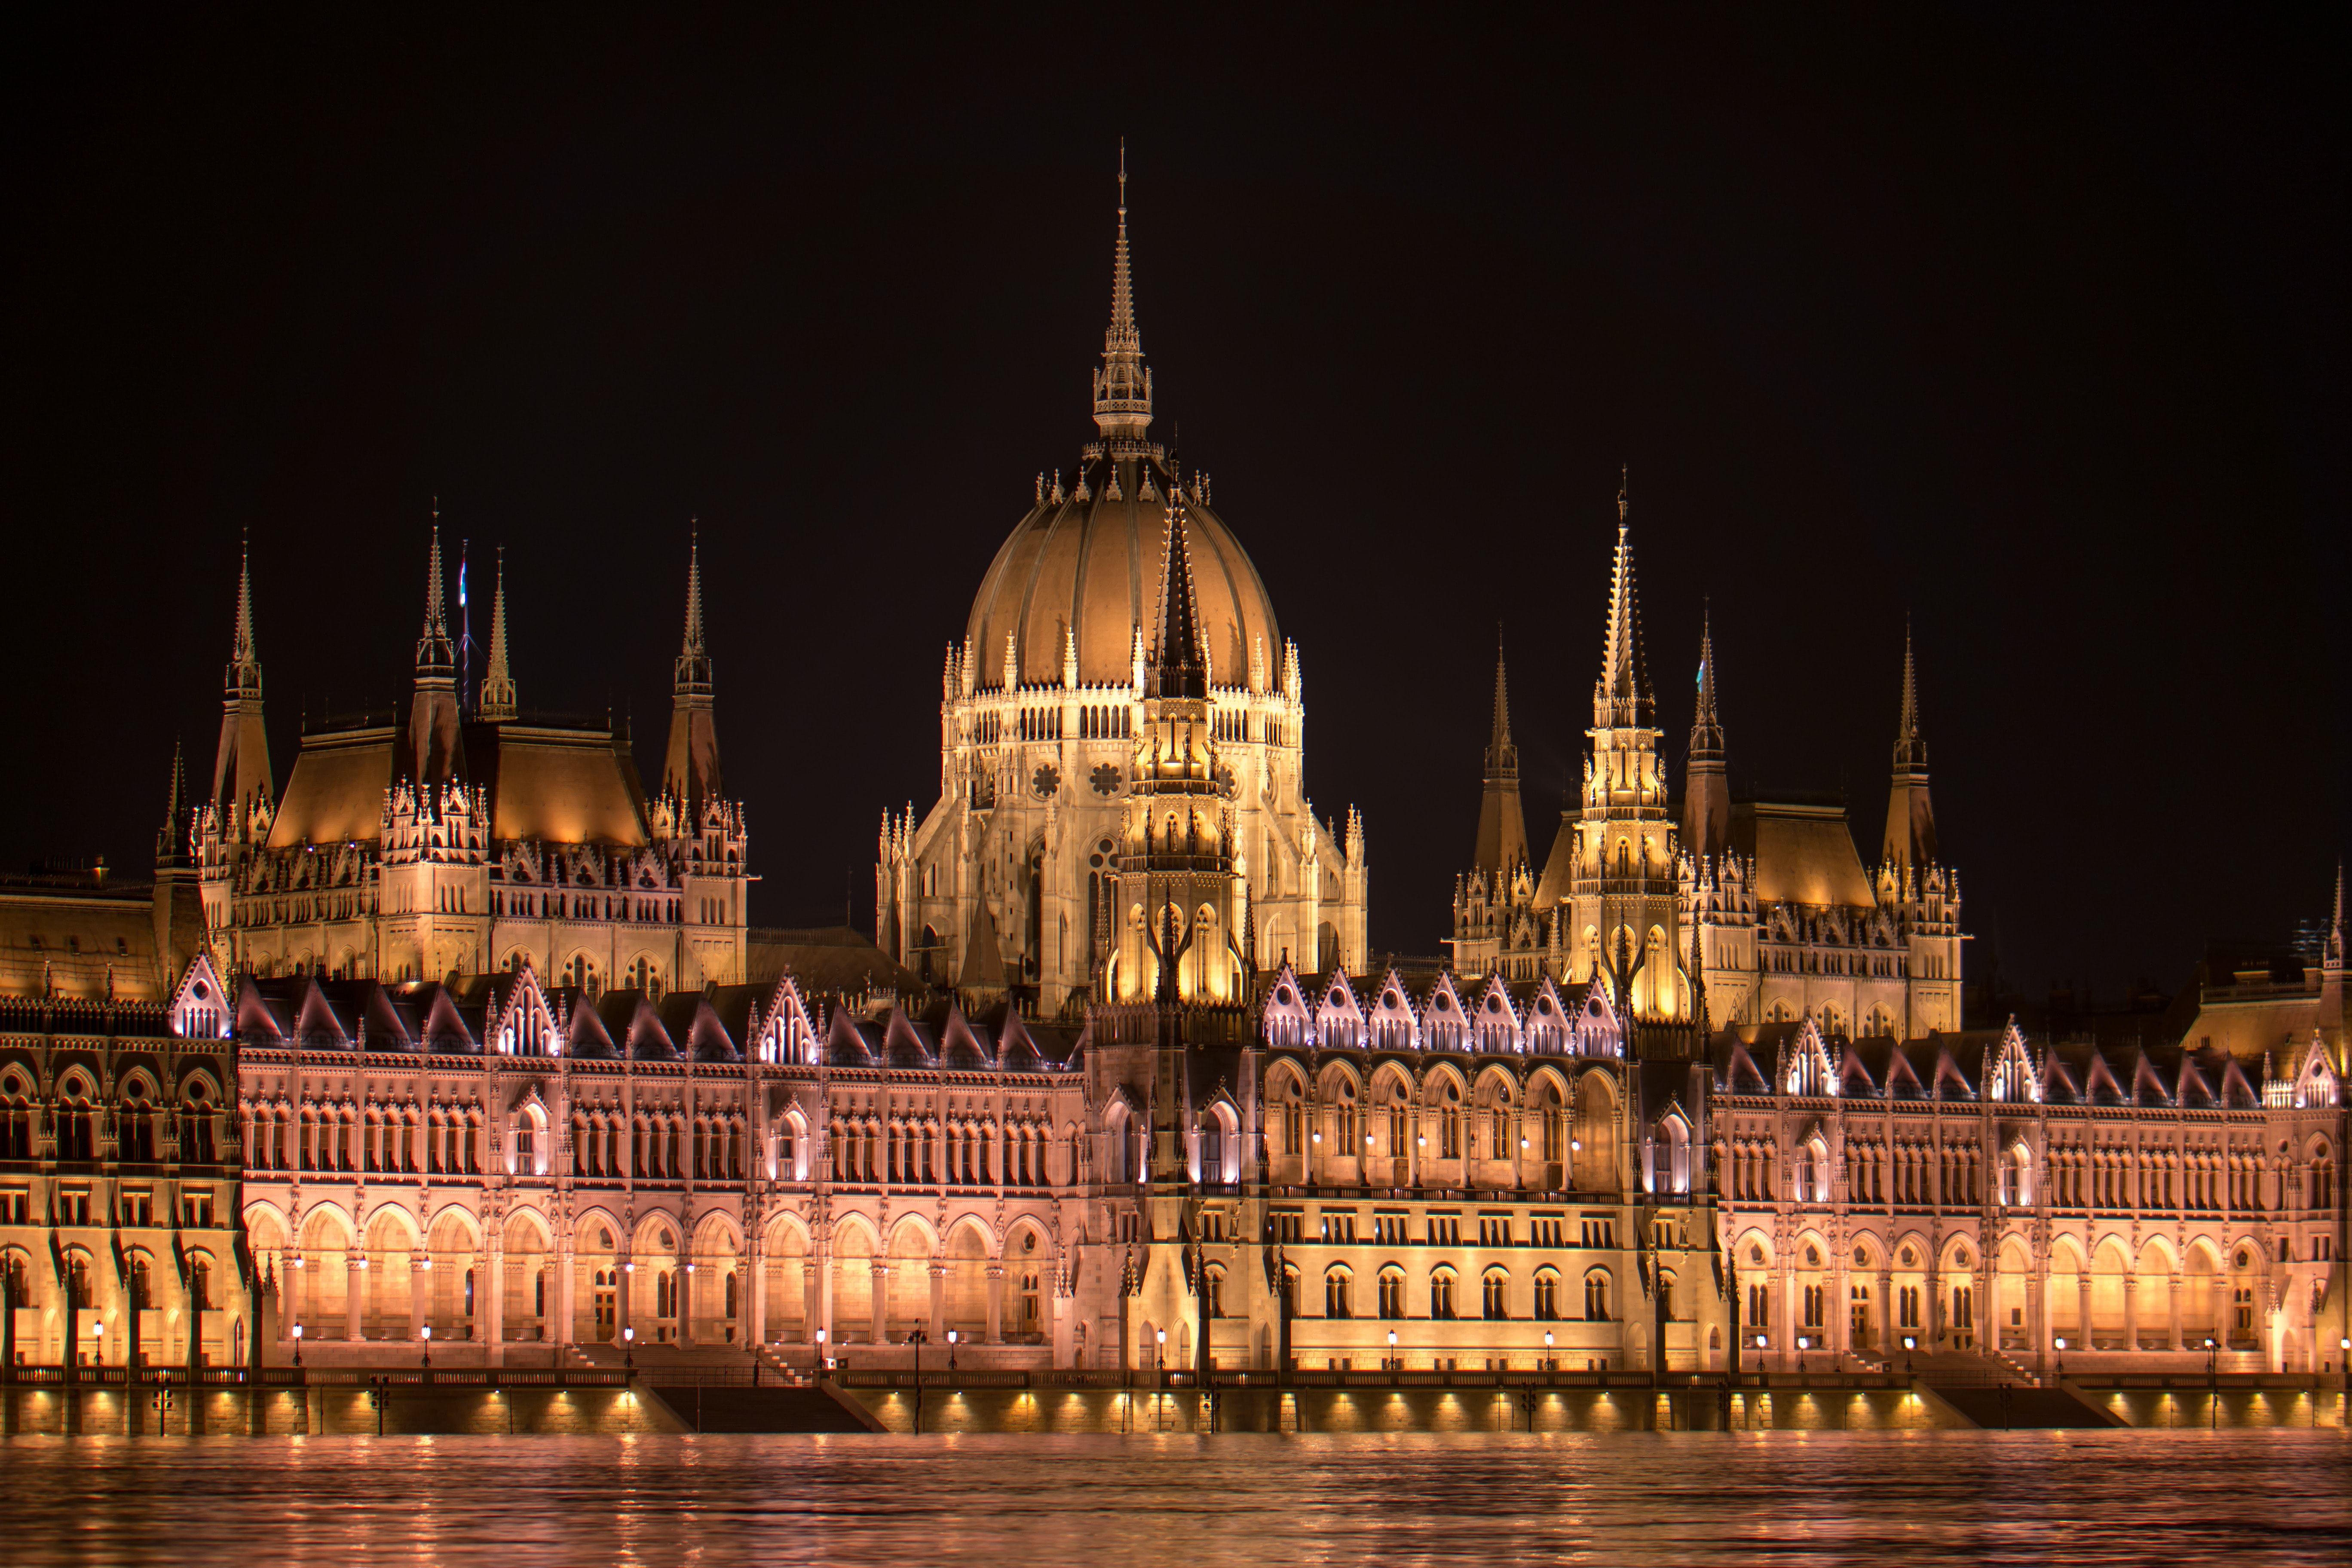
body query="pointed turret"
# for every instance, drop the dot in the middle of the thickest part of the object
(432, 751)
(241, 780)
(690, 773)
(1910, 842)
(172, 834)
(1177, 667)
(497, 702)
(2332, 1005)
(1618, 697)
(1123, 386)
(1706, 795)
(1502, 825)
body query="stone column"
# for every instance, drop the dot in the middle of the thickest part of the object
(812, 1293)
(567, 1282)
(2216, 1308)
(626, 1273)
(495, 1312)
(1838, 1312)
(1889, 1341)
(2172, 1312)
(2131, 1313)
(938, 1329)
(354, 1294)
(685, 1281)
(419, 1285)
(2083, 1321)
(996, 1303)
(755, 1285)
(881, 1300)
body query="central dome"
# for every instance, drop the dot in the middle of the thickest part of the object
(1092, 565)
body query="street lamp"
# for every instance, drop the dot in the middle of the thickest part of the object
(2061, 1342)
(2213, 1384)
(1392, 1356)
(629, 1347)
(1158, 1377)
(1550, 1365)
(1803, 1340)
(298, 1344)
(953, 1336)
(1909, 1342)
(428, 1344)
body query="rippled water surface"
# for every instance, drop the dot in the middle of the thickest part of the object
(2101, 1497)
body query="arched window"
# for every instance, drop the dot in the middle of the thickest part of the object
(1596, 1298)
(1335, 1294)
(1441, 1294)
(1546, 1297)
(1392, 1292)
(1493, 1296)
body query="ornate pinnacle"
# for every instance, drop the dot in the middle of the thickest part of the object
(244, 667)
(434, 653)
(498, 697)
(1122, 387)
(692, 670)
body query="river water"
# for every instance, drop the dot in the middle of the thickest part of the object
(2249, 1496)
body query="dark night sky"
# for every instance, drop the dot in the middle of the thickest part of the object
(2034, 329)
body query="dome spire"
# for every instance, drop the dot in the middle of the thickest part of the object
(1123, 386)
(1617, 694)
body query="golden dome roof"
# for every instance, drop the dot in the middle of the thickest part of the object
(1093, 566)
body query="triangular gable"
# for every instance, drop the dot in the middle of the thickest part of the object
(317, 1022)
(782, 1029)
(706, 1034)
(2194, 1090)
(1286, 1018)
(2008, 1075)
(258, 1018)
(903, 1044)
(1742, 1074)
(445, 1027)
(2316, 1084)
(1339, 1016)
(2235, 1089)
(2148, 1088)
(1854, 1077)
(962, 1050)
(1549, 1031)
(1393, 1023)
(1443, 1021)
(844, 1045)
(520, 1022)
(1806, 1069)
(1498, 1021)
(2101, 1072)
(2058, 1083)
(1948, 1071)
(1903, 1075)
(199, 1009)
(585, 1035)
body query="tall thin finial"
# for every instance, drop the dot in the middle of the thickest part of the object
(497, 698)
(433, 648)
(692, 670)
(1617, 694)
(1907, 729)
(244, 666)
(1122, 387)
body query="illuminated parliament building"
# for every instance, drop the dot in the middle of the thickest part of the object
(461, 1036)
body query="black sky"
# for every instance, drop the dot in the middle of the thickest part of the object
(2028, 325)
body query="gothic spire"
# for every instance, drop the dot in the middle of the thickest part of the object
(690, 771)
(1910, 841)
(1706, 791)
(432, 748)
(497, 702)
(1502, 823)
(1177, 667)
(1123, 386)
(1502, 757)
(692, 670)
(1617, 694)
(434, 653)
(241, 780)
(171, 837)
(244, 664)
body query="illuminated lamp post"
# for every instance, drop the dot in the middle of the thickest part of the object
(1909, 1343)
(428, 1347)
(1550, 1365)
(1392, 1358)
(2061, 1342)
(1158, 1376)
(629, 1347)
(298, 1344)
(2213, 1384)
